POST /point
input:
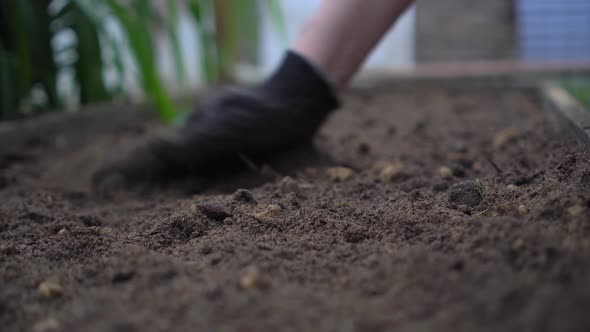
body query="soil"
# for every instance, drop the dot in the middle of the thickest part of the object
(417, 210)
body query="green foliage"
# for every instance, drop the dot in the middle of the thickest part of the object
(31, 61)
(580, 89)
(136, 24)
(27, 57)
(225, 28)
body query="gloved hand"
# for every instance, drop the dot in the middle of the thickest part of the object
(256, 123)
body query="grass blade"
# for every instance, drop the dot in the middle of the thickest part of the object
(135, 24)
(276, 14)
(89, 66)
(173, 28)
(200, 11)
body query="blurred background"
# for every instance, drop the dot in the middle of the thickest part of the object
(58, 55)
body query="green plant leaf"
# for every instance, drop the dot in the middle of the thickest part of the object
(135, 24)
(276, 14)
(89, 66)
(200, 10)
(99, 17)
(173, 27)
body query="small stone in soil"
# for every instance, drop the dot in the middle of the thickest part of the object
(62, 232)
(465, 193)
(445, 172)
(271, 212)
(391, 172)
(339, 173)
(252, 278)
(575, 210)
(512, 187)
(505, 136)
(213, 211)
(50, 289)
(522, 210)
(244, 196)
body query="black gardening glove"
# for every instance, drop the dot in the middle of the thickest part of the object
(254, 123)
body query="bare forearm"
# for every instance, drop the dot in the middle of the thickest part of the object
(341, 34)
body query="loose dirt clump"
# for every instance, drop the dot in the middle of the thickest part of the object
(466, 193)
(417, 210)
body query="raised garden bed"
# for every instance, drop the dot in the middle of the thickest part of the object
(423, 207)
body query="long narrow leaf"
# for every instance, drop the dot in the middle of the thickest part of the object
(173, 28)
(100, 20)
(89, 64)
(206, 39)
(276, 14)
(136, 27)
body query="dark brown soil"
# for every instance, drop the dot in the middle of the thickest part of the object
(450, 212)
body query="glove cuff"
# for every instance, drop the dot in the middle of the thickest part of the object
(297, 78)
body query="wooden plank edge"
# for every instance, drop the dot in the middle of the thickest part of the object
(573, 115)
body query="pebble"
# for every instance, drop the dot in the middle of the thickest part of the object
(575, 210)
(50, 289)
(445, 172)
(391, 172)
(62, 232)
(252, 278)
(465, 193)
(512, 187)
(271, 212)
(339, 173)
(522, 209)
(244, 196)
(505, 136)
(213, 211)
